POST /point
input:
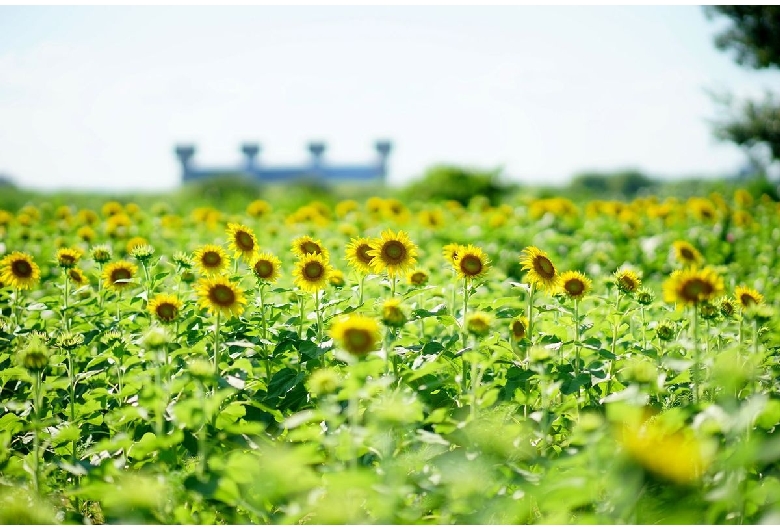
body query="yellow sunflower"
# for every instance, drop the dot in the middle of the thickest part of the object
(258, 208)
(417, 277)
(356, 334)
(471, 263)
(747, 297)
(242, 240)
(77, 276)
(575, 285)
(478, 324)
(68, 257)
(358, 255)
(19, 270)
(211, 259)
(393, 314)
(86, 233)
(691, 286)
(308, 245)
(519, 328)
(135, 242)
(392, 252)
(266, 267)
(118, 275)
(311, 273)
(686, 253)
(541, 271)
(336, 278)
(627, 281)
(221, 296)
(450, 252)
(165, 307)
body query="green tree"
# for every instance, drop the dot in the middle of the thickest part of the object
(754, 37)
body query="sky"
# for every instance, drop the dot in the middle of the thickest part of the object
(97, 97)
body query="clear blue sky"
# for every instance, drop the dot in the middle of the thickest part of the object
(96, 97)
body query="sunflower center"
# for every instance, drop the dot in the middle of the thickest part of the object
(67, 259)
(393, 252)
(746, 300)
(222, 295)
(264, 268)
(310, 247)
(687, 254)
(120, 274)
(471, 265)
(518, 329)
(696, 288)
(544, 267)
(166, 311)
(418, 278)
(313, 270)
(211, 259)
(244, 241)
(356, 339)
(574, 286)
(21, 269)
(362, 253)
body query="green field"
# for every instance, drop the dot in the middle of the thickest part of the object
(154, 368)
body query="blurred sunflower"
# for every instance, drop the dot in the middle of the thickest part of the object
(101, 254)
(392, 252)
(211, 259)
(336, 278)
(19, 271)
(266, 267)
(575, 285)
(346, 207)
(118, 275)
(311, 273)
(450, 252)
(356, 334)
(86, 234)
(242, 240)
(134, 242)
(258, 208)
(111, 208)
(68, 257)
(357, 253)
(417, 277)
(541, 271)
(627, 281)
(220, 296)
(77, 276)
(471, 263)
(692, 286)
(727, 307)
(747, 297)
(686, 254)
(165, 307)
(393, 314)
(519, 328)
(308, 245)
(478, 324)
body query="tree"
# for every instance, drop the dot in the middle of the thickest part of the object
(754, 37)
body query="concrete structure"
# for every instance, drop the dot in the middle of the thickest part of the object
(316, 168)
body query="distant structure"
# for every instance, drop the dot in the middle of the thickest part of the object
(315, 169)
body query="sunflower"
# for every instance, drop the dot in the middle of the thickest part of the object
(258, 208)
(692, 286)
(541, 271)
(134, 242)
(627, 281)
(77, 276)
(686, 253)
(219, 295)
(311, 273)
(450, 252)
(392, 252)
(211, 259)
(19, 270)
(358, 254)
(478, 324)
(393, 315)
(575, 285)
(68, 257)
(471, 263)
(357, 334)
(747, 297)
(727, 307)
(242, 240)
(266, 267)
(336, 278)
(118, 275)
(417, 277)
(165, 307)
(86, 233)
(101, 254)
(346, 207)
(519, 328)
(308, 245)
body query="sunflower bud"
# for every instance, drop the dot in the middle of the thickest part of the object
(68, 340)
(644, 297)
(35, 356)
(666, 330)
(392, 314)
(101, 254)
(478, 324)
(143, 253)
(324, 381)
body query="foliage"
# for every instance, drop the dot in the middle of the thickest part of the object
(458, 184)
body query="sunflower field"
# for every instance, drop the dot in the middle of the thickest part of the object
(377, 362)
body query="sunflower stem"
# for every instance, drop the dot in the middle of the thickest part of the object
(696, 354)
(319, 316)
(216, 350)
(18, 308)
(265, 335)
(465, 334)
(72, 390)
(36, 432)
(392, 292)
(530, 319)
(302, 303)
(360, 297)
(644, 331)
(576, 337)
(65, 322)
